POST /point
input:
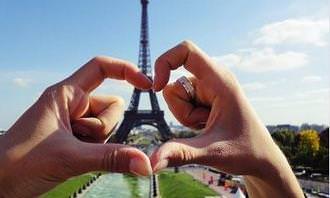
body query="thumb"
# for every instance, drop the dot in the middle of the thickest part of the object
(178, 152)
(111, 157)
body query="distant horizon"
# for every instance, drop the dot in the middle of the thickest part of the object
(178, 124)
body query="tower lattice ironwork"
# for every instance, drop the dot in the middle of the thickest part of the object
(134, 117)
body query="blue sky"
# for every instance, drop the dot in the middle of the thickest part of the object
(278, 49)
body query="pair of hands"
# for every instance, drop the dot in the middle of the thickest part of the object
(41, 149)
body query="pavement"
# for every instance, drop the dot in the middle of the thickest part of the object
(204, 176)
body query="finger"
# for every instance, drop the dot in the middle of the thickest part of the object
(89, 130)
(108, 109)
(187, 113)
(201, 149)
(178, 152)
(105, 113)
(92, 74)
(110, 157)
(187, 54)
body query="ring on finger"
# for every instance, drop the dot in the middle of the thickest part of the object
(188, 86)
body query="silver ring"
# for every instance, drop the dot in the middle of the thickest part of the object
(188, 86)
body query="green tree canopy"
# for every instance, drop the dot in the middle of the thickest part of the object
(309, 141)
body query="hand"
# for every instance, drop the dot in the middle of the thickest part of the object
(40, 149)
(233, 139)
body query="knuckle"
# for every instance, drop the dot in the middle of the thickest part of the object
(98, 62)
(97, 59)
(58, 89)
(187, 155)
(64, 89)
(57, 94)
(110, 160)
(160, 60)
(188, 44)
(167, 91)
(181, 154)
(171, 89)
(49, 90)
(116, 160)
(120, 101)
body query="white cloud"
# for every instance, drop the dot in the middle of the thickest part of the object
(22, 82)
(311, 79)
(298, 102)
(24, 78)
(228, 59)
(316, 93)
(254, 86)
(263, 60)
(319, 91)
(267, 99)
(310, 101)
(278, 81)
(295, 31)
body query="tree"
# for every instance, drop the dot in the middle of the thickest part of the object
(309, 141)
(322, 156)
(307, 148)
(324, 138)
(321, 160)
(285, 137)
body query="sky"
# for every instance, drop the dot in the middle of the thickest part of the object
(277, 49)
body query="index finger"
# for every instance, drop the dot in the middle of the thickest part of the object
(187, 54)
(92, 74)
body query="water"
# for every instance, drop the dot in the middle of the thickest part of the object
(119, 185)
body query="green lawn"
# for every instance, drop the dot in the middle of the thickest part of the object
(179, 185)
(68, 187)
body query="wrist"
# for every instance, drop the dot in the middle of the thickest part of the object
(275, 176)
(9, 178)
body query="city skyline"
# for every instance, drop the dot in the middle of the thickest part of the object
(277, 50)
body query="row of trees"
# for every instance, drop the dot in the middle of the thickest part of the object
(307, 148)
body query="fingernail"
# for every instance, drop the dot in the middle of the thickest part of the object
(138, 167)
(160, 165)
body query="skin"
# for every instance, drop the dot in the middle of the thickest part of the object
(232, 139)
(42, 150)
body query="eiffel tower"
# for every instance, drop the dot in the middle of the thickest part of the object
(134, 117)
